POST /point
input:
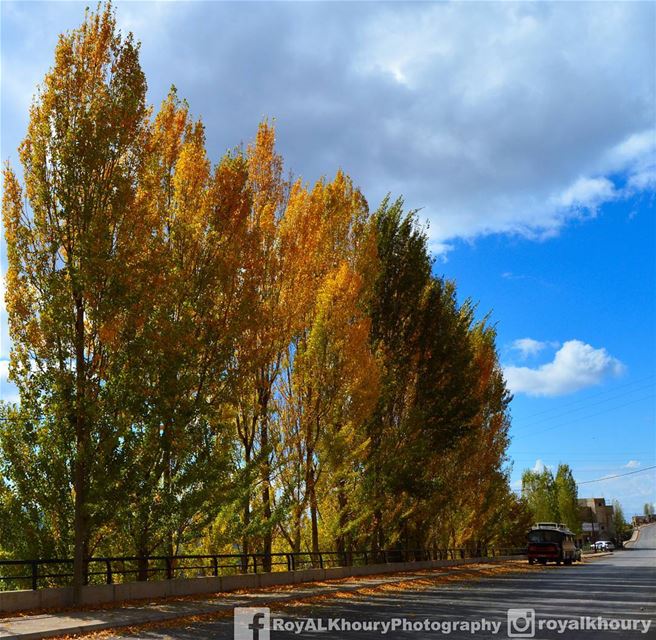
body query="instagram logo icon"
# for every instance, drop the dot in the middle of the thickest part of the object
(521, 623)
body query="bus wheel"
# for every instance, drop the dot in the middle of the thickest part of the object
(568, 562)
(558, 562)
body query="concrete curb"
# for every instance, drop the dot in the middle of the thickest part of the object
(62, 597)
(635, 536)
(599, 554)
(71, 623)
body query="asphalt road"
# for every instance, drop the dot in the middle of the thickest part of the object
(646, 538)
(617, 586)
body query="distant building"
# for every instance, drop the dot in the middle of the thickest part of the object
(597, 519)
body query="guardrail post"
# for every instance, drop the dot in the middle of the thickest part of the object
(215, 566)
(254, 563)
(108, 564)
(35, 575)
(320, 560)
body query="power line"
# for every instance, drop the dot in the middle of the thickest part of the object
(619, 475)
(567, 405)
(585, 417)
(585, 407)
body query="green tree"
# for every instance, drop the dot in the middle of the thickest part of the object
(402, 279)
(180, 378)
(567, 498)
(75, 244)
(539, 490)
(430, 402)
(210, 351)
(619, 522)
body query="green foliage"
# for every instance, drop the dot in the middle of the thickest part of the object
(552, 499)
(539, 490)
(208, 355)
(567, 498)
(622, 528)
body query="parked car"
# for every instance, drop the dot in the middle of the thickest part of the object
(603, 545)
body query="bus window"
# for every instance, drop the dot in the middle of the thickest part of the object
(545, 535)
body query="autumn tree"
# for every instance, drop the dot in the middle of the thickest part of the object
(180, 377)
(262, 343)
(206, 350)
(75, 246)
(477, 499)
(330, 372)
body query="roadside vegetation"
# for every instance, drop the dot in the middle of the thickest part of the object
(212, 356)
(555, 499)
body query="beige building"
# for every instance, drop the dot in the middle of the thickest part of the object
(597, 519)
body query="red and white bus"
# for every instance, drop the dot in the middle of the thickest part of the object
(551, 542)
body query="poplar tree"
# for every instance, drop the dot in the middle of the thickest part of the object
(539, 489)
(567, 498)
(75, 247)
(204, 350)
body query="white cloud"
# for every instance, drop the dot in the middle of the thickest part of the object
(575, 366)
(538, 467)
(512, 134)
(587, 193)
(528, 347)
(632, 464)
(631, 491)
(492, 117)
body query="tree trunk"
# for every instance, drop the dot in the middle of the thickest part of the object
(378, 538)
(142, 565)
(168, 489)
(245, 541)
(266, 492)
(80, 480)
(314, 516)
(298, 514)
(343, 546)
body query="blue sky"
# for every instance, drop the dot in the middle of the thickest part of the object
(525, 133)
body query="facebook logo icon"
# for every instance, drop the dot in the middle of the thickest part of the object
(252, 623)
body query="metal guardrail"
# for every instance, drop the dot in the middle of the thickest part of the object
(54, 572)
